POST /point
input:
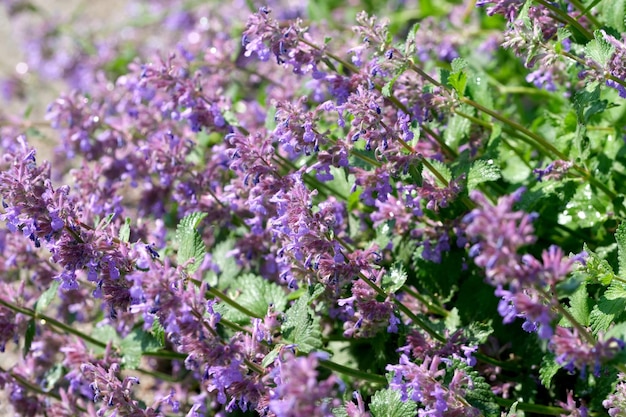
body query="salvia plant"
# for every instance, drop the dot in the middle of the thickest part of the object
(348, 209)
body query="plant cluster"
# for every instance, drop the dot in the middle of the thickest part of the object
(345, 209)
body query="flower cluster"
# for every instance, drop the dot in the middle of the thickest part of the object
(271, 210)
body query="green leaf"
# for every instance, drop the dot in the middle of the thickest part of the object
(124, 234)
(441, 168)
(620, 238)
(394, 279)
(270, 357)
(158, 332)
(107, 220)
(579, 305)
(409, 45)
(302, 325)
(190, 244)
(384, 234)
(47, 296)
(587, 103)
(53, 375)
(597, 269)
(453, 320)
(131, 350)
(599, 50)
(458, 77)
(610, 306)
(226, 263)
(549, 368)
(256, 294)
(386, 90)
(388, 403)
(513, 410)
(106, 334)
(613, 12)
(618, 331)
(482, 171)
(457, 129)
(479, 394)
(29, 336)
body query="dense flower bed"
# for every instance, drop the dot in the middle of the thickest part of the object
(350, 209)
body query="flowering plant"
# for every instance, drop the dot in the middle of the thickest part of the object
(350, 210)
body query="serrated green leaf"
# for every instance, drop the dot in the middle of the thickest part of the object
(384, 234)
(302, 325)
(131, 350)
(256, 294)
(190, 244)
(480, 394)
(457, 129)
(342, 182)
(47, 296)
(579, 305)
(340, 412)
(388, 403)
(104, 333)
(453, 320)
(29, 336)
(620, 238)
(409, 44)
(158, 332)
(394, 279)
(599, 50)
(549, 368)
(618, 331)
(610, 306)
(124, 234)
(441, 168)
(597, 269)
(482, 171)
(229, 270)
(458, 77)
(613, 12)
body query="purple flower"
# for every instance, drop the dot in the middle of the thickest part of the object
(575, 352)
(423, 383)
(299, 392)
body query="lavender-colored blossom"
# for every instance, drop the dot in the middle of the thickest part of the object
(555, 170)
(615, 403)
(500, 232)
(572, 408)
(364, 315)
(575, 352)
(299, 391)
(264, 36)
(423, 383)
(615, 66)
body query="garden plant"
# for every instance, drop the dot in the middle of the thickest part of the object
(334, 208)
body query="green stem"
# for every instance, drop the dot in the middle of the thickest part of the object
(545, 410)
(226, 299)
(363, 376)
(34, 388)
(585, 12)
(418, 321)
(435, 308)
(566, 17)
(541, 141)
(53, 322)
